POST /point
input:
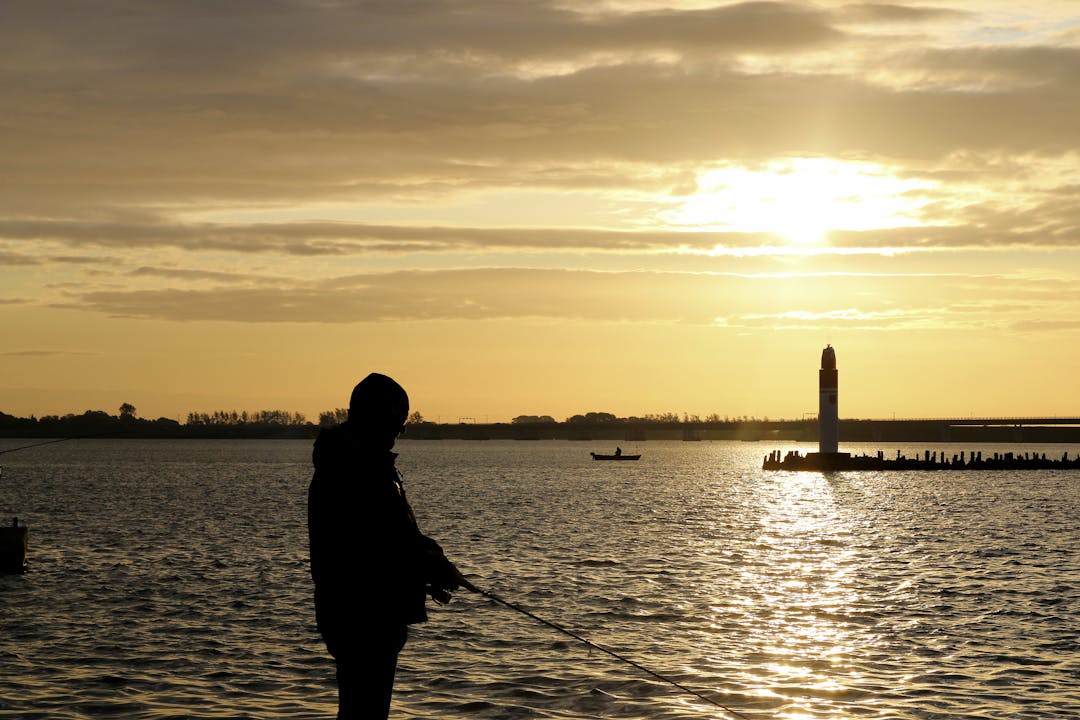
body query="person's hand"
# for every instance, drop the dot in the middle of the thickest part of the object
(441, 594)
(441, 572)
(463, 582)
(444, 575)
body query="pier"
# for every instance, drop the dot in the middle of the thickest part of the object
(838, 461)
(828, 458)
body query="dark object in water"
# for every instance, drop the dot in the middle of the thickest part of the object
(617, 456)
(13, 545)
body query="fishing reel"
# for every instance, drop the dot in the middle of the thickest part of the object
(440, 595)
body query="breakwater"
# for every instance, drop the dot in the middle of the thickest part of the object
(793, 460)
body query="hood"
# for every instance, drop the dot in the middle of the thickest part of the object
(341, 445)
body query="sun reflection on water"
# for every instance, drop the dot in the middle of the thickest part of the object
(799, 581)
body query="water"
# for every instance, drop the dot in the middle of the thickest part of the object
(169, 580)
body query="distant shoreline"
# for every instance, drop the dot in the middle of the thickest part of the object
(1055, 430)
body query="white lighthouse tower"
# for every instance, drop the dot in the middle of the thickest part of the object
(828, 409)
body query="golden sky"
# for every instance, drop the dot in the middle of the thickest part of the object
(541, 207)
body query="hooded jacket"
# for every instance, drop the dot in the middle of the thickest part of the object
(370, 562)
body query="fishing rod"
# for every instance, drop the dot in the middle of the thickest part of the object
(601, 648)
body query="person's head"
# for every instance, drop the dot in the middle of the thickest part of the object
(379, 406)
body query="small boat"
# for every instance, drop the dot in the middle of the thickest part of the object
(13, 543)
(616, 456)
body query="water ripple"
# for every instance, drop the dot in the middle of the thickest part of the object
(169, 580)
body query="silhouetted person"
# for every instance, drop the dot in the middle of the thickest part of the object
(618, 452)
(372, 566)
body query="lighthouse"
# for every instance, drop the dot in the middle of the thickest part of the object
(828, 409)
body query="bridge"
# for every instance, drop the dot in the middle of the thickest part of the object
(969, 429)
(990, 421)
(955, 429)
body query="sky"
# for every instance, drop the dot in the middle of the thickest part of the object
(540, 207)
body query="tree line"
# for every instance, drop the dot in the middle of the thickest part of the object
(280, 423)
(220, 423)
(598, 418)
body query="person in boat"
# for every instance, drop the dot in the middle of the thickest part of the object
(372, 567)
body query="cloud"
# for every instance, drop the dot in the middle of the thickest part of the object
(979, 225)
(471, 294)
(320, 238)
(1047, 326)
(361, 140)
(287, 102)
(130, 123)
(288, 38)
(43, 353)
(195, 275)
(32, 257)
(896, 13)
(919, 318)
(12, 259)
(848, 318)
(1028, 66)
(778, 300)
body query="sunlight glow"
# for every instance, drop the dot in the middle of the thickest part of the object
(801, 199)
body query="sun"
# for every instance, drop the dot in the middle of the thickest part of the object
(799, 199)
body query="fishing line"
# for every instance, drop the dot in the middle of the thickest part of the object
(601, 648)
(47, 442)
